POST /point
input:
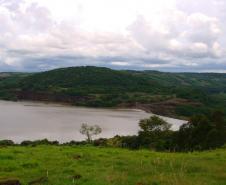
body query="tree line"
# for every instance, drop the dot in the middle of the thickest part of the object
(201, 132)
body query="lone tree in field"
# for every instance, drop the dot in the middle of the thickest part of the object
(90, 131)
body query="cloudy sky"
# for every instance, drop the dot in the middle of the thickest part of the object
(172, 35)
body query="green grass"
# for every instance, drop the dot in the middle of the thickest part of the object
(111, 166)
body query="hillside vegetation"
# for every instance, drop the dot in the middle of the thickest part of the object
(86, 80)
(171, 94)
(86, 165)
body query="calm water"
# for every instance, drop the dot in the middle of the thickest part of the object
(30, 121)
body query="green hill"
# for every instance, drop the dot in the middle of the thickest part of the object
(104, 80)
(89, 79)
(172, 94)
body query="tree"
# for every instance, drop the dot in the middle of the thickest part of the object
(90, 131)
(155, 133)
(219, 123)
(202, 132)
(154, 124)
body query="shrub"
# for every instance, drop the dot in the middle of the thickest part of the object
(6, 143)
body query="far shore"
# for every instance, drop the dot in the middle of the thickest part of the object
(136, 107)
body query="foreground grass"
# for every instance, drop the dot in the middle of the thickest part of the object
(107, 166)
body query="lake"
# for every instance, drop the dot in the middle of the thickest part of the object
(21, 121)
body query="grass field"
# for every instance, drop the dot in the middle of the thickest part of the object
(88, 165)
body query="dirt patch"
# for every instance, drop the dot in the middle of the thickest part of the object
(38, 181)
(163, 108)
(77, 157)
(140, 183)
(76, 177)
(10, 182)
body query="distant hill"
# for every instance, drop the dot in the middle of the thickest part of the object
(99, 79)
(201, 80)
(173, 94)
(91, 79)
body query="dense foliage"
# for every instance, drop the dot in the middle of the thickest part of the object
(200, 133)
(85, 80)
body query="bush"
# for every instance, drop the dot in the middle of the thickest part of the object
(75, 143)
(26, 143)
(39, 142)
(6, 143)
(131, 142)
(100, 142)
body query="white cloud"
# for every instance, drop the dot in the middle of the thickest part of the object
(118, 63)
(37, 35)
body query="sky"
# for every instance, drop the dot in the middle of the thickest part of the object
(172, 35)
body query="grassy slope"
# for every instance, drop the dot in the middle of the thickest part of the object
(105, 166)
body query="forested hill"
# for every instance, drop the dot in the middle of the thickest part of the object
(101, 79)
(87, 80)
(199, 80)
(174, 94)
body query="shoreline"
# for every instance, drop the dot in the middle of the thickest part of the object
(137, 107)
(62, 104)
(38, 120)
